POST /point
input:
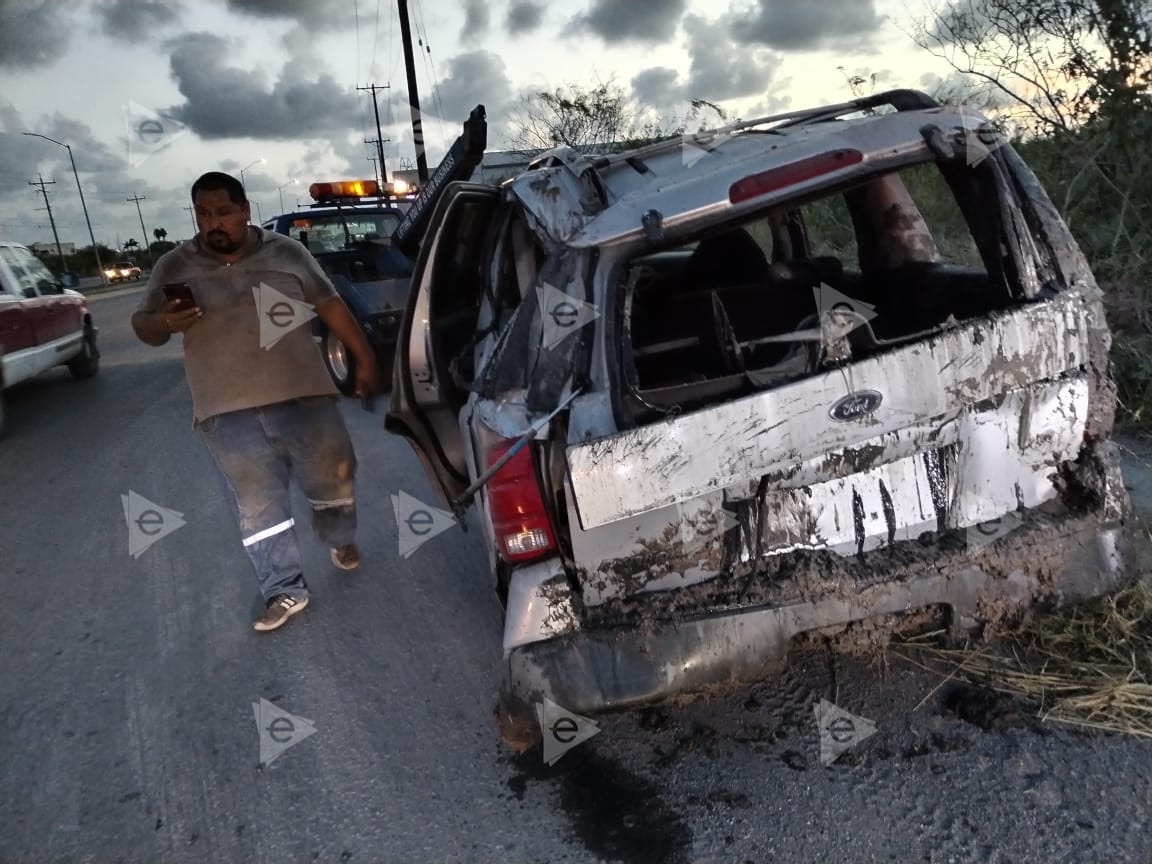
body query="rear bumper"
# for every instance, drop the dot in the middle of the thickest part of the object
(1042, 565)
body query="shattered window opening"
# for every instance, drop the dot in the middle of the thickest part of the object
(806, 287)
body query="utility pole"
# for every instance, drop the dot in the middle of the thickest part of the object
(191, 210)
(381, 192)
(41, 182)
(376, 159)
(413, 96)
(379, 135)
(76, 174)
(147, 246)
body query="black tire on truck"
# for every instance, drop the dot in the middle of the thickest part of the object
(87, 363)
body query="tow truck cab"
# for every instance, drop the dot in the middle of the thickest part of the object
(348, 230)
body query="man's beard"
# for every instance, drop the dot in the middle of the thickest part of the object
(221, 242)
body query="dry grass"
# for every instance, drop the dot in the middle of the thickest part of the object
(1088, 666)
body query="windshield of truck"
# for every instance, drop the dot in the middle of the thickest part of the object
(324, 232)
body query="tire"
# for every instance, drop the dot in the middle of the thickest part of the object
(86, 364)
(340, 363)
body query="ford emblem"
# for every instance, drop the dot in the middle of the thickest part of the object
(856, 405)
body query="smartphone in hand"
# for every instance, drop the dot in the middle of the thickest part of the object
(182, 293)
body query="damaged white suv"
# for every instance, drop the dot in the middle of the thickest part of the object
(708, 395)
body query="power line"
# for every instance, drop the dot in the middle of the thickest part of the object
(375, 41)
(356, 12)
(429, 65)
(392, 58)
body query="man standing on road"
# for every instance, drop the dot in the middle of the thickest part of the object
(262, 399)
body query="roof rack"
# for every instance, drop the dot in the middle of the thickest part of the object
(901, 100)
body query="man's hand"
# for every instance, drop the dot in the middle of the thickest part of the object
(367, 379)
(156, 328)
(178, 318)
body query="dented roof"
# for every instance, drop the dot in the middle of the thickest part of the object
(688, 179)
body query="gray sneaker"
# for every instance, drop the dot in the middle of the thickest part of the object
(278, 610)
(346, 557)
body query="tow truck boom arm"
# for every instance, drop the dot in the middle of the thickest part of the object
(458, 164)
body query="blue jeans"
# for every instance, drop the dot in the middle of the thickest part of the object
(259, 451)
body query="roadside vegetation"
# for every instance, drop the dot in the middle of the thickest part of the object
(1088, 666)
(1071, 80)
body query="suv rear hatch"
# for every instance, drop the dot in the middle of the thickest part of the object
(887, 357)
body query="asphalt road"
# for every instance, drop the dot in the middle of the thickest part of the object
(127, 730)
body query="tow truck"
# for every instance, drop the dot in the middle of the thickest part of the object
(348, 230)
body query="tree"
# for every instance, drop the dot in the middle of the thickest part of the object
(131, 243)
(1057, 63)
(596, 119)
(159, 234)
(1078, 74)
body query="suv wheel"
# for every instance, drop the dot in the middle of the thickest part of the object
(87, 363)
(340, 362)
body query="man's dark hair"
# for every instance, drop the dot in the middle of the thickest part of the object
(216, 180)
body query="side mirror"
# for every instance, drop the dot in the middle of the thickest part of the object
(30, 293)
(68, 280)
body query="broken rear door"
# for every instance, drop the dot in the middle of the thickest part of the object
(439, 324)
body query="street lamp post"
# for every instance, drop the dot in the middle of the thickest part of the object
(259, 161)
(76, 174)
(280, 189)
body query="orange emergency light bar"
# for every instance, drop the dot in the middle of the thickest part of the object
(343, 189)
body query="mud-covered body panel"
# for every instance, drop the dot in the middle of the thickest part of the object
(740, 442)
(659, 647)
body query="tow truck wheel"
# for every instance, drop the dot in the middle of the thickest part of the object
(340, 362)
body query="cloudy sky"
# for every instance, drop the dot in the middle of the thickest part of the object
(229, 82)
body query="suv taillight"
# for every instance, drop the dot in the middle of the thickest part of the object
(520, 520)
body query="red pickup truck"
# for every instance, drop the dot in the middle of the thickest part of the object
(43, 323)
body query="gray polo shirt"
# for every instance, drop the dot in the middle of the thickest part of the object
(254, 345)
